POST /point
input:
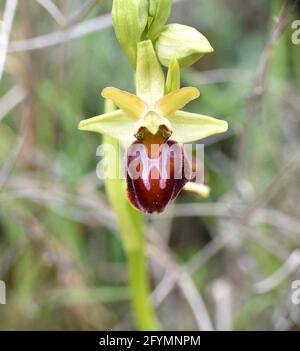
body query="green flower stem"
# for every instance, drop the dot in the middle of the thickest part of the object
(131, 225)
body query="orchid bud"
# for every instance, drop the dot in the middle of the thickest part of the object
(156, 173)
(159, 12)
(130, 18)
(183, 43)
(152, 7)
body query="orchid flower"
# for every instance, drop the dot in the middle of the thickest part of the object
(149, 118)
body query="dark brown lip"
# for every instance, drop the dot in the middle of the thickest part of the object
(155, 178)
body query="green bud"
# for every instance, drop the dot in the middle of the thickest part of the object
(152, 7)
(130, 18)
(184, 43)
(159, 12)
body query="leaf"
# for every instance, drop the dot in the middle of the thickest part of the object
(176, 100)
(150, 80)
(189, 127)
(115, 124)
(133, 106)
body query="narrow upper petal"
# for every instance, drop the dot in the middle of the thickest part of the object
(117, 124)
(173, 77)
(176, 100)
(129, 103)
(189, 127)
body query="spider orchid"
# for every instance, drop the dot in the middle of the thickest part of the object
(154, 126)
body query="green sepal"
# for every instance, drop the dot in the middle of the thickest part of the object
(116, 124)
(150, 80)
(188, 127)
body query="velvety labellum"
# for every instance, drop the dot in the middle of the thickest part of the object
(156, 173)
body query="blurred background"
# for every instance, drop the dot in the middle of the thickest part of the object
(224, 263)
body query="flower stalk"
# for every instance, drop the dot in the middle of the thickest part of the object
(131, 225)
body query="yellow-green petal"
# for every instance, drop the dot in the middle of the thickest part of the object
(116, 124)
(189, 127)
(176, 100)
(129, 103)
(173, 77)
(150, 80)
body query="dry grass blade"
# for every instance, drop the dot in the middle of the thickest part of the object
(271, 282)
(11, 99)
(53, 10)
(62, 36)
(5, 29)
(65, 35)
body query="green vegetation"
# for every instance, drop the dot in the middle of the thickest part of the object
(60, 250)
